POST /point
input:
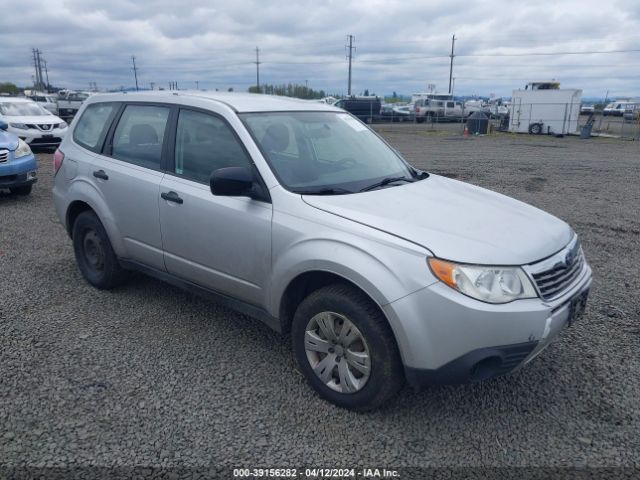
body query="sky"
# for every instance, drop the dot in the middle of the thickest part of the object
(401, 46)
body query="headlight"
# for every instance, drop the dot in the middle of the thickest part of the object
(23, 149)
(62, 125)
(486, 283)
(21, 126)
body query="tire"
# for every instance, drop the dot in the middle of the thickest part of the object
(535, 129)
(375, 372)
(24, 190)
(94, 255)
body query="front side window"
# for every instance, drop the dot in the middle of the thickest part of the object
(320, 152)
(93, 125)
(139, 135)
(205, 143)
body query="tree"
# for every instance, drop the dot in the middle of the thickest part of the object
(366, 92)
(289, 90)
(10, 88)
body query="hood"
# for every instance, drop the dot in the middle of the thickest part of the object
(42, 119)
(455, 221)
(8, 140)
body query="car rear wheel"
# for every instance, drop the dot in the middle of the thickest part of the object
(24, 190)
(94, 255)
(346, 349)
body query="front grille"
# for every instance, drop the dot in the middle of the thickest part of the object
(8, 179)
(4, 156)
(555, 280)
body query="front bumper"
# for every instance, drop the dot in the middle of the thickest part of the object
(35, 137)
(18, 173)
(445, 337)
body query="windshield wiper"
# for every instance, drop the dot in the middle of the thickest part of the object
(386, 181)
(325, 191)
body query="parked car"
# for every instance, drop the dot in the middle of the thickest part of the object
(632, 112)
(587, 109)
(365, 108)
(396, 113)
(298, 214)
(473, 106)
(404, 113)
(31, 122)
(69, 102)
(615, 109)
(46, 101)
(18, 167)
(440, 110)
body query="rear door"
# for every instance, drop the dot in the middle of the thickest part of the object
(128, 175)
(222, 243)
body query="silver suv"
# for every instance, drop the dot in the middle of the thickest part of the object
(298, 214)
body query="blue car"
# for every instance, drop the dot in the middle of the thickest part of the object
(18, 167)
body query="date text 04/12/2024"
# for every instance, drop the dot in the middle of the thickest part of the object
(365, 473)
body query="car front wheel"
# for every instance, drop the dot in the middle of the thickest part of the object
(346, 349)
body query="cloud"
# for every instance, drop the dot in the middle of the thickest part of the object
(400, 45)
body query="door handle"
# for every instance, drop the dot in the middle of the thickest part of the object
(100, 174)
(171, 197)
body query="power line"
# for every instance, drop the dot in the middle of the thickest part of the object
(532, 54)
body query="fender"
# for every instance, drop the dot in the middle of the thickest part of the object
(82, 190)
(373, 269)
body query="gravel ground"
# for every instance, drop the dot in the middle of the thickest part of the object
(149, 375)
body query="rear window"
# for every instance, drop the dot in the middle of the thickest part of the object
(93, 125)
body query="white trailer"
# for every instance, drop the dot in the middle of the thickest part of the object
(545, 110)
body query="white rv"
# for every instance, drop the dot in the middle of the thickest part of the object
(545, 108)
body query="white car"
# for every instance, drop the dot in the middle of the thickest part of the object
(48, 102)
(31, 122)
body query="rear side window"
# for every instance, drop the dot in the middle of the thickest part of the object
(93, 125)
(139, 135)
(205, 143)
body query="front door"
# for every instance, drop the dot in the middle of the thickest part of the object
(222, 243)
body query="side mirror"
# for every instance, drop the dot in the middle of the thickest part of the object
(3, 125)
(232, 182)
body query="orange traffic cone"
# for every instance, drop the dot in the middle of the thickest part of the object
(466, 132)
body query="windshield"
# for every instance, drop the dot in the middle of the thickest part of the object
(324, 152)
(22, 109)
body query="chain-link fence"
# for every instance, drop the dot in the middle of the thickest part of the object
(537, 119)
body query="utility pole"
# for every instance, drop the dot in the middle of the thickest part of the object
(453, 43)
(36, 82)
(258, 62)
(197, 87)
(135, 70)
(350, 57)
(46, 71)
(41, 83)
